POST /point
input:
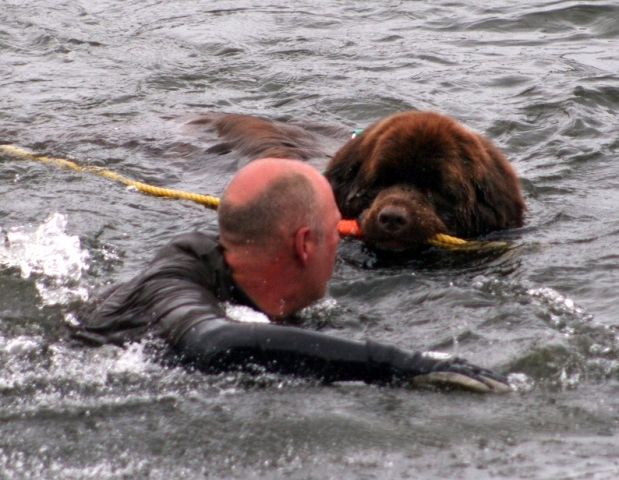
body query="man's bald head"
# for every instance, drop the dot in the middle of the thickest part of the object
(267, 200)
(278, 226)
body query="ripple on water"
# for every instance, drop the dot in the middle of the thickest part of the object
(94, 80)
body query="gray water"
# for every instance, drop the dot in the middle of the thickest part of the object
(111, 83)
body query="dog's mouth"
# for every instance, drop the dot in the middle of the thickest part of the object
(383, 239)
(392, 246)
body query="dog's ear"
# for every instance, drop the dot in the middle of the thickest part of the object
(347, 188)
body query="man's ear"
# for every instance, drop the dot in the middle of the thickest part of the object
(304, 245)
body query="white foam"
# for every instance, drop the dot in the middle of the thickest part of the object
(569, 379)
(437, 355)
(520, 382)
(244, 314)
(51, 254)
(559, 301)
(132, 360)
(241, 313)
(73, 378)
(322, 308)
(19, 345)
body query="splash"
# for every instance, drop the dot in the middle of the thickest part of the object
(563, 313)
(561, 309)
(559, 302)
(520, 382)
(322, 308)
(55, 259)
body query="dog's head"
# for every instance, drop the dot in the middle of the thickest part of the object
(415, 174)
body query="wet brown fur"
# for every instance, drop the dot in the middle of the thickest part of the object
(255, 137)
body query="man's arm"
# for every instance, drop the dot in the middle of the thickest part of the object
(220, 345)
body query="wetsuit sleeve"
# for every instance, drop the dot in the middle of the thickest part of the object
(220, 345)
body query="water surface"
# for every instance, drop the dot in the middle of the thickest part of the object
(109, 84)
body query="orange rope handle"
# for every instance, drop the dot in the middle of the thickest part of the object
(349, 228)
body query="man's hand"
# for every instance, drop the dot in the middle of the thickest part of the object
(460, 373)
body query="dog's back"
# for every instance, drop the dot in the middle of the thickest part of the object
(254, 137)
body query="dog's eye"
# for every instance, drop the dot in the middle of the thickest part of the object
(364, 198)
(354, 194)
(361, 195)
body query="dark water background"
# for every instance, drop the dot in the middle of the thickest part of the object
(109, 83)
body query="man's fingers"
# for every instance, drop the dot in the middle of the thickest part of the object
(480, 384)
(498, 387)
(451, 378)
(487, 375)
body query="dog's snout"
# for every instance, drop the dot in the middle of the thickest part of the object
(393, 219)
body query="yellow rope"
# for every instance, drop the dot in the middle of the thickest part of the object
(439, 240)
(447, 241)
(454, 243)
(206, 200)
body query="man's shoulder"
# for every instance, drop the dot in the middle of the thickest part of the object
(196, 239)
(189, 270)
(197, 256)
(195, 243)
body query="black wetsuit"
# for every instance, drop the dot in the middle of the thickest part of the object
(179, 295)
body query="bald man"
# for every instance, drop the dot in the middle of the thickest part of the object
(275, 254)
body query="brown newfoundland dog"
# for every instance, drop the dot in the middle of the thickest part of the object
(404, 179)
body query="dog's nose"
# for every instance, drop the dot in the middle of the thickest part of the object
(392, 219)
